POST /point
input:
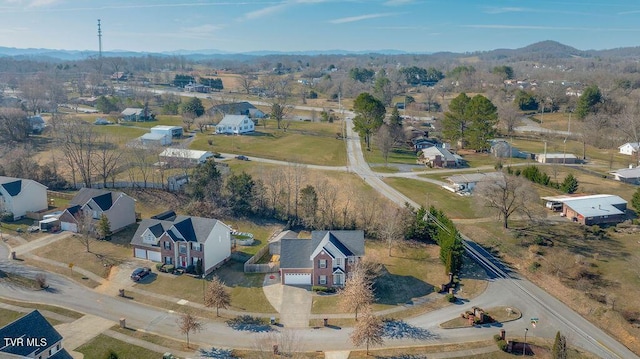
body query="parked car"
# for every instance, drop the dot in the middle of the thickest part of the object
(242, 158)
(140, 273)
(33, 229)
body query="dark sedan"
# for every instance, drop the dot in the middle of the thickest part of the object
(140, 273)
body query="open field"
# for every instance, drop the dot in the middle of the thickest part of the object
(100, 346)
(429, 194)
(304, 142)
(398, 155)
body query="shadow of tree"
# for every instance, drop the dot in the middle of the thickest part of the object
(399, 329)
(396, 289)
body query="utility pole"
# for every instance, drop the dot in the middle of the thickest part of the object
(99, 41)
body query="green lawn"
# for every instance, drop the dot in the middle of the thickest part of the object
(7, 316)
(245, 289)
(161, 120)
(311, 146)
(397, 155)
(120, 134)
(423, 192)
(100, 346)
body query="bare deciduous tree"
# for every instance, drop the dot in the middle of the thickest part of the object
(391, 226)
(14, 126)
(85, 226)
(188, 323)
(508, 114)
(77, 140)
(506, 196)
(217, 295)
(357, 292)
(107, 161)
(385, 140)
(368, 330)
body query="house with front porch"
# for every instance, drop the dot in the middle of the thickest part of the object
(183, 241)
(324, 260)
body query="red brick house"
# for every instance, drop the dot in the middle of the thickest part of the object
(324, 260)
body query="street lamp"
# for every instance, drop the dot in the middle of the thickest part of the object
(524, 349)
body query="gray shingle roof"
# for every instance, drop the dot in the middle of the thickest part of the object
(103, 198)
(351, 240)
(149, 223)
(294, 253)
(13, 187)
(32, 325)
(193, 229)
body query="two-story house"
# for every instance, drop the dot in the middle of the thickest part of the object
(119, 208)
(20, 196)
(183, 241)
(324, 260)
(31, 336)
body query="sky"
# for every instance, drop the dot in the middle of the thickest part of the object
(419, 26)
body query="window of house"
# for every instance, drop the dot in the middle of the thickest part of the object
(167, 245)
(58, 346)
(195, 260)
(183, 249)
(323, 279)
(168, 260)
(322, 263)
(338, 279)
(195, 246)
(339, 262)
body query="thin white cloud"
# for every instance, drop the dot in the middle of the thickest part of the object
(17, 7)
(502, 10)
(397, 2)
(278, 7)
(202, 29)
(554, 28)
(345, 20)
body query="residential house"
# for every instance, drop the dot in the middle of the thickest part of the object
(183, 241)
(502, 149)
(171, 131)
(628, 175)
(629, 148)
(325, 260)
(37, 123)
(184, 156)
(32, 336)
(20, 196)
(420, 143)
(134, 114)
(562, 158)
(439, 157)
(154, 139)
(238, 108)
(235, 124)
(119, 76)
(119, 208)
(591, 209)
(191, 87)
(465, 183)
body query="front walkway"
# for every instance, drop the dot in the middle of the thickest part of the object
(82, 330)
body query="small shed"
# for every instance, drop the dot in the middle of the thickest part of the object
(155, 139)
(562, 158)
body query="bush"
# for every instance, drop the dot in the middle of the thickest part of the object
(159, 267)
(169, 268)
(450, 298)
(6, 217)
(534, 266)
(319, 288)
(502, 344)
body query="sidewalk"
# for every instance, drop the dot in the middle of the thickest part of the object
(40, 242)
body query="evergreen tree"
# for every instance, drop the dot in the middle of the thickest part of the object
(559, 350)
(104, 227)
(111, 355)
(205, 182)
(635, 200)
(588, 101)
(192, 106)
(369, 116)
(240, 189)
(570, 184)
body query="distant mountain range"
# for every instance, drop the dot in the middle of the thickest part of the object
(538, 51)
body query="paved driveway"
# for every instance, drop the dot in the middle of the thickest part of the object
(296, 306)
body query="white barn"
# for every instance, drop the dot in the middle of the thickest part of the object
(155, 139)
(235, 124)
(193, 157)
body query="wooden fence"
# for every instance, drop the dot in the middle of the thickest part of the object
(251, 267)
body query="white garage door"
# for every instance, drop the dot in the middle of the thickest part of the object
(154, 256)
(71, 227)
(140, 253)
(297, 278)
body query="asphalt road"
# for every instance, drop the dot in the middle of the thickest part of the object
(506, 288)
